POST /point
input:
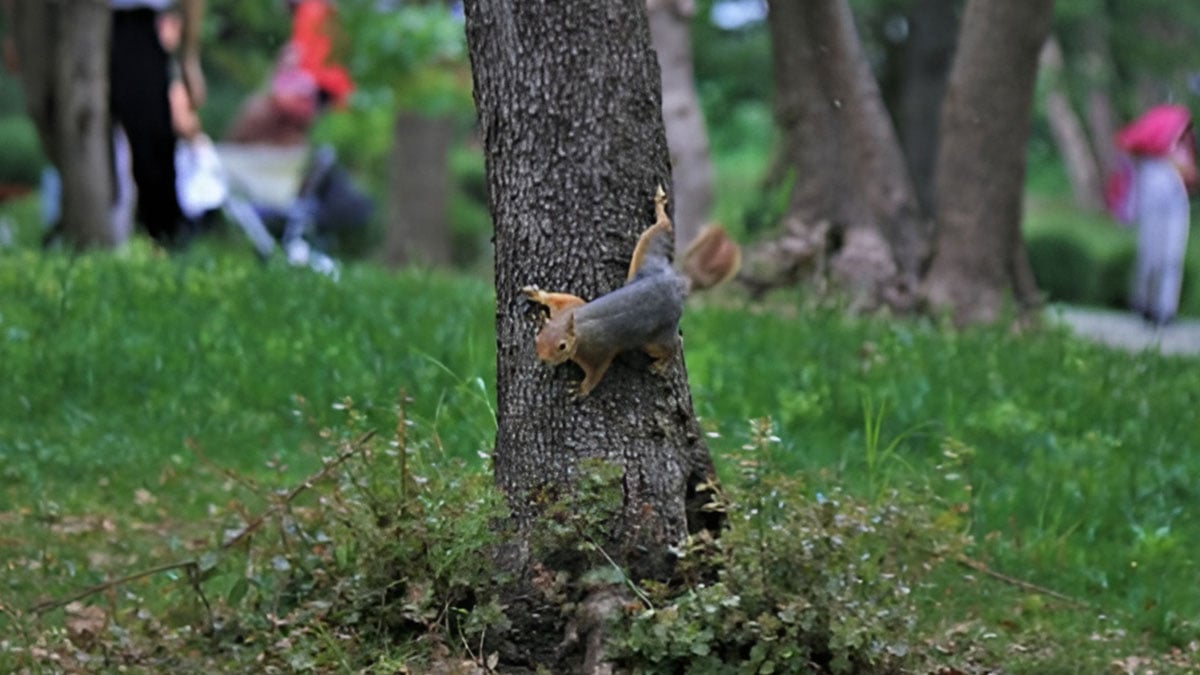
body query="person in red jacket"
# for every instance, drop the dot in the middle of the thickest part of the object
(306, 80)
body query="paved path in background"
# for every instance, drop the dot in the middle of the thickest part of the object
(1128, 331)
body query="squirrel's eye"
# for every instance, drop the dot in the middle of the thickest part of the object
(562, 346)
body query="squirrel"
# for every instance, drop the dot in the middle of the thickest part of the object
(644, 313)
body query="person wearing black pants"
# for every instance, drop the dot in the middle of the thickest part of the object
(140, 104)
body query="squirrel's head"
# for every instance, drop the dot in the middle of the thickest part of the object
(556, 339)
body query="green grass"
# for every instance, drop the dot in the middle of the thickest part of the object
(131, 381)
(117, 364)
(1079, 460)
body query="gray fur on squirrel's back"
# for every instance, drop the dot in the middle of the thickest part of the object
(647, 309)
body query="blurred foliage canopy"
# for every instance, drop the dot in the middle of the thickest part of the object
(412, 55)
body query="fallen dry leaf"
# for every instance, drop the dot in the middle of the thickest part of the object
(85, 622)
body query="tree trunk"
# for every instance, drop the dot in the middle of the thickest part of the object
(1080, 164)
(980, 261)
(571, 119)
(927, 57)
(850, 175)
(419, 175)
(808, 159)
(691, 165)
(806, 123)
(878, 170)
(1102, 127)
(63, 50)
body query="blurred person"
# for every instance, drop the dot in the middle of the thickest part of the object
(140, 95)
(1163, 155)
(199, 176)
(185, 119)
(143, 138)
(306, 80)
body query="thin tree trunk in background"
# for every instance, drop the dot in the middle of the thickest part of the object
(691, 163)
(1080, 164)
(63, 50)
(418, 203)
(1102, 127)
(1099, 71)
(568, 98)
(980, 261)
(927, 57)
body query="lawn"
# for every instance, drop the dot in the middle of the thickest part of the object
(148, 400)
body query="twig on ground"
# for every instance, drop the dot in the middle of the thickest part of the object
(980, 567)
(47, 605)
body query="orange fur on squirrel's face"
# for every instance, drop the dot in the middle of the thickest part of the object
(556, 340)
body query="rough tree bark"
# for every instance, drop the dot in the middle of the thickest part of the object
(571, 118)
(878, 169)
(62, 49)
(691, 164)
(808, 159)
(980, 260)
(419, 175)
(850, 174)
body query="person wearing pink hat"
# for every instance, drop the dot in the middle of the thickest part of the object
(1162, 147)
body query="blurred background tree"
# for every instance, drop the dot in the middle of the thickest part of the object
(1118, 56)
(410, 61)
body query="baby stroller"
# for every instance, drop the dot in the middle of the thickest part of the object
(277, 188)
(291, 199)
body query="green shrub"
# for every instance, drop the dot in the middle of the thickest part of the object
(819, 584)
(1115, 277)
(1064, 269)
(803, 581)
(21, 159)
(134, 374)
(378, 559)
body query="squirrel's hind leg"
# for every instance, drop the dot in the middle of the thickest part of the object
(649, 239)
(661, 352)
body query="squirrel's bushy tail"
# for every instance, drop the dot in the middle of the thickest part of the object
(711, 259)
